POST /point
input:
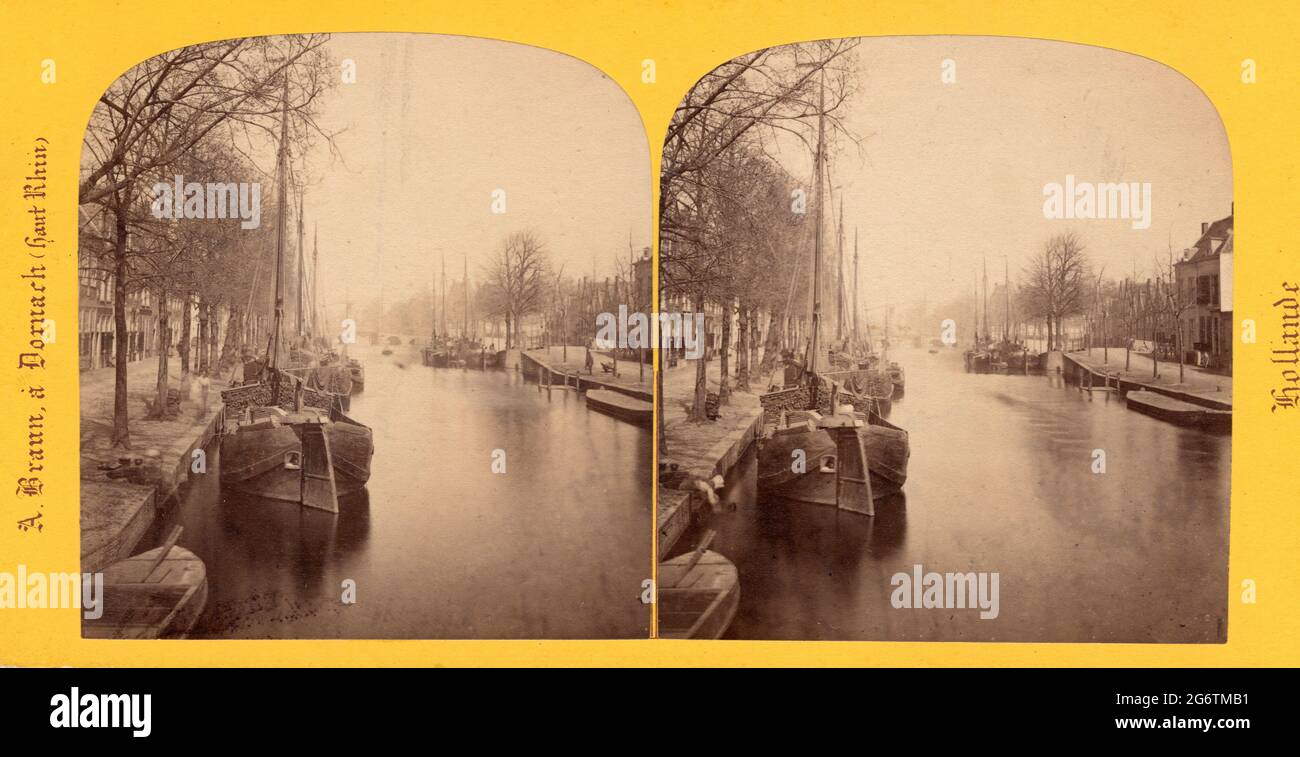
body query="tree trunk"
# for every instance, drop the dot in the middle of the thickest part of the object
(164, 340)
(1155, 345)
(231, 346)
(724, 364)
(742, 351)
(183, 349)
(772, 345)
(121, 427)
(203, 338)
(698, 410)
(213, 333)
(659, 395)
(1178, 346)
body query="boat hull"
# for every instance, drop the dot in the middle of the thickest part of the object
(887, 455)
(1176, 411)
(620, 406)
(699, 603)
(145, 598)
(266, 462)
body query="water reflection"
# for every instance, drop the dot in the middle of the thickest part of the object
(438, 545)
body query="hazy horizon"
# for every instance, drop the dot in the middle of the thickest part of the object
(950, 175)
(432, 126)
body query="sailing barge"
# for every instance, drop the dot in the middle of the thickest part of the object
(282, 438)
(823, 442)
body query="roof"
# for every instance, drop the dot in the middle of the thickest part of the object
(1212, 242)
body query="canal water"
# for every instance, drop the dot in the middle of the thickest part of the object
(438, 545)
(1000, 480)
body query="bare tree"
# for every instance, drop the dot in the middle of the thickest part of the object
(1171, 303)
(158, 112)
(519, 280)
(1057, 284)
(730, 116)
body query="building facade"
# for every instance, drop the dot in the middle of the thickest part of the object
(1204, 280)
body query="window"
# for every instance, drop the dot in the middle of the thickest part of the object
(1202, 290)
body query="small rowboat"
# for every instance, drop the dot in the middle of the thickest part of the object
(621, 406)
(155, 594)
(699, 593)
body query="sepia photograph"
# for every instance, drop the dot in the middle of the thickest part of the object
(339, 366)
(964, 355)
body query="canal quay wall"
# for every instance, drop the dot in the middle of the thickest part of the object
(117, 513)
(1198, 388)
(541, 364)
(699, 451)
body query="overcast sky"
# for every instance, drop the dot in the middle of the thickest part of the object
(949, 173)
(433, 125)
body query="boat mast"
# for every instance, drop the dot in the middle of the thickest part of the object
(444, 294)
(315, 265)
(839, 277)
(987, 331)
(884, 349)
(347, 313)
(1006, 293)
(282, 165)
(301, 299)
(817, 227)
(464, 326)
(855, 285)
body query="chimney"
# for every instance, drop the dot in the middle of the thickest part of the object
(1205, 226)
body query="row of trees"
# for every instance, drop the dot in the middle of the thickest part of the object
(1062, 282)
(735, 226)
(210, 113)
(518, 281)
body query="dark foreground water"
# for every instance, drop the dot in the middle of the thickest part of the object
(440, 546)
(1001, 481)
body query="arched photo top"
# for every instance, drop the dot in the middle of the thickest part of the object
(333, 267)
(978, 293)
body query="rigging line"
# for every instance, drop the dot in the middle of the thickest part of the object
(789, 298)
